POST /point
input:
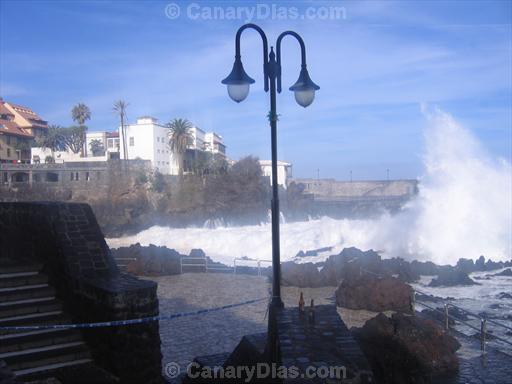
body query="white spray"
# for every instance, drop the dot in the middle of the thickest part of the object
(463, 209)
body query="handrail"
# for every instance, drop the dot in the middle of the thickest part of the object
(258, 262)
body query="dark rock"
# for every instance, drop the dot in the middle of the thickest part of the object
(466, 265)
(150, 260)
(300, 254)
(425, 268)
(375, 294)
(480, 264)
(451, 277)
(504, 295)
(350, 262)
(506, 272)
(197, 252)
(301, 275)
(437, 315)
(402, 268)
(407, 349)
(492, 265)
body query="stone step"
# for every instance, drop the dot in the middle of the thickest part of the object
(25, 292)
(16, 267)
(48, 368)
(52, 354)
(36, 339)
(17, 281)
(30, 306)
(40, 318)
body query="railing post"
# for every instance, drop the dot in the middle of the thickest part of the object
(234, 266)
(181, 265)
(483, 330)
(446, 318)
(413, 302)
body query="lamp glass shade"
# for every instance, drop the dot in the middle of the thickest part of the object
(304, 88)
(238, 92)
(305, 97)
(238, 82)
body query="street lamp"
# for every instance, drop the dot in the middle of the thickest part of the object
(238, 84)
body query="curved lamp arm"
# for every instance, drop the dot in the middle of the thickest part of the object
(278, 52)
(265, 48)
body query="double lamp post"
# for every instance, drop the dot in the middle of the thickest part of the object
(238, 83)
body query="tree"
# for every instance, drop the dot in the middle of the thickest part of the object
(180, 138)
(53, 140)
(80, 114)
(97, 147)
(74, 138)
(120, 108)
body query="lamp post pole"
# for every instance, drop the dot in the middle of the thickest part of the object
(238, 83)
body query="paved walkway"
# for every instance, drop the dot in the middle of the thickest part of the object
(218, 332)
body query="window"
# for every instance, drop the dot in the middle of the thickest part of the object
(157, 151)
(110, 143)
(72, 176)
(8, 149)
(76, 176)
(87, 177)
(132, 141)
(157, 139)
(8, 140)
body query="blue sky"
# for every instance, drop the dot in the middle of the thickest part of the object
(375, 67)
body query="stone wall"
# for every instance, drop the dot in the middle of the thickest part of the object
(66, 180)
(330, 188)
(68, 241)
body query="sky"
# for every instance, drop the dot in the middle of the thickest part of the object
(377, 63)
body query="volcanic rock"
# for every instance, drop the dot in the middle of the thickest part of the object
(450, 277)
(375, 294)
(301, 275)
(407, 349)
(504, 295)
(426, 268)
(466, 265)
(150, 260)
(350, 262)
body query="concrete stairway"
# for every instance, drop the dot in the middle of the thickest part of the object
(27, 299)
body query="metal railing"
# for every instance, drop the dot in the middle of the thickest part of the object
(257, 261)
(482, 330)
(206, 264)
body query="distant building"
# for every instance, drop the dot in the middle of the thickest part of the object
(284, 171)
(147, 140)
(19, 126)
(109, 142)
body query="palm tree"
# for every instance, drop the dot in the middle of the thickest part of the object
(120, 109)
(53, 140)
(80, 114)
(179, 139)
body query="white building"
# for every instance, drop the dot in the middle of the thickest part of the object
(147, 139)
(284, 171)
(207, 141)
(109, 141)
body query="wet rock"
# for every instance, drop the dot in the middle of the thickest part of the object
(451, 277)
(301, 275)
(407, 349)
(466, 265)
(401, 268)
(480, 264)
(506, 272)
(375, 294)
(350, 262)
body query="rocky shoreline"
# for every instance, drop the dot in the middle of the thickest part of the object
(399, 346)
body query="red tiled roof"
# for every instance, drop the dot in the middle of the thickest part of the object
(4, 110)
(112, 134)
(11, 128)
(30, 115)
